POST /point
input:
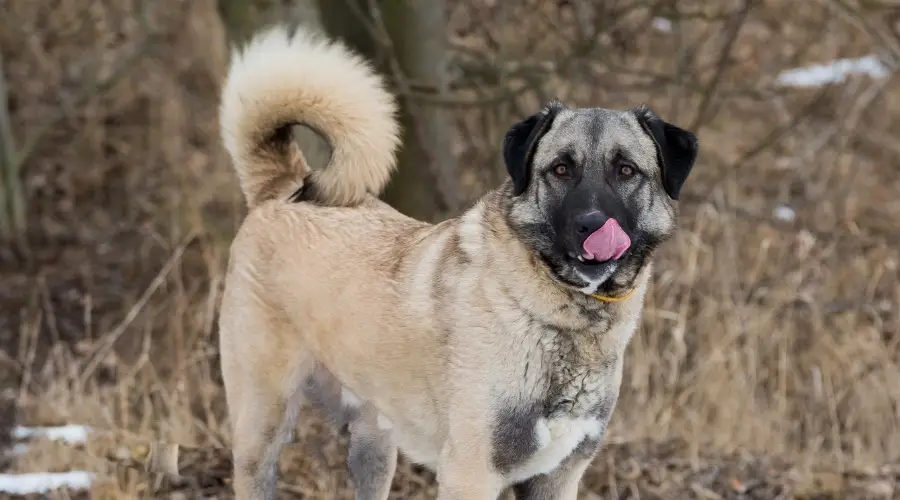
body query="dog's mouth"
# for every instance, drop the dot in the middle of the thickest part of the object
(591, 269)
(608, 243)
(586, 259)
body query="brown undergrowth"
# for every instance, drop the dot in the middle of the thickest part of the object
(769, 348)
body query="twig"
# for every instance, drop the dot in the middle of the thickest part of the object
(731, 36)
(12, 206)
(732, 210)
(110, 340)
(490, 98)
(12, 203)
(699, 15)
(779, 133)
(82, 95)
(12, 159)
(857, 19)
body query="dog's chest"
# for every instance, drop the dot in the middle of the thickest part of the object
(569, 388)
(535, 438)
(555, 439)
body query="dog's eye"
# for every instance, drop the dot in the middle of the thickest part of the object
(561, 170)
(626, 170)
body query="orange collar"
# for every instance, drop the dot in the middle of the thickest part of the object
(606, 298)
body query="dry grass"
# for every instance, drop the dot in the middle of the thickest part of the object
(767, 337)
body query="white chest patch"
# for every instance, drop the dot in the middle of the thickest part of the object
(557, 439)
(594, 284)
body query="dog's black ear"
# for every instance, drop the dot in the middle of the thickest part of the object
(520, 142)
(676, 149)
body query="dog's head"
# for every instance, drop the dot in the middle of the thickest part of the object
(593, 190)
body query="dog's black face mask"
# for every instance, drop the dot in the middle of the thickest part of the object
(592, 190)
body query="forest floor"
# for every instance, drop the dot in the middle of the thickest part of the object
(313, 467)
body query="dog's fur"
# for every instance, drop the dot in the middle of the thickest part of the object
(474, 346)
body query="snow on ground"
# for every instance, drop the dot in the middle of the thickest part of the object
(16, 450)
(833, 72)
(42, 482)
(784, 213)
(662, 24)
(72, 434)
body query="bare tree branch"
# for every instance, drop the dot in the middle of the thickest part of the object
(856, 17)
(10, 188)
(779, 133)
(733, 29)
(14, 158)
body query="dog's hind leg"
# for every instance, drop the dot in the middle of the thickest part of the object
(264, 420)
(372, 455)
(264, 391)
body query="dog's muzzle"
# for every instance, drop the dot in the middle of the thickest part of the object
(600, 237)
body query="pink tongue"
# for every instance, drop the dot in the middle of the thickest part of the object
(608, 242)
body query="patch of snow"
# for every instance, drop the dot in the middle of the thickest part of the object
(17, 450)
(784, 213)
(662, 24)
(43, 482)
(833, 72)
(72, 434)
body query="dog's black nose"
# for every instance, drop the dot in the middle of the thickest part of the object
(587, 223)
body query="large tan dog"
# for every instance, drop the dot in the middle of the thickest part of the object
(488, 347)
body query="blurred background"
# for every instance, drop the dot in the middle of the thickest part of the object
(767, 364)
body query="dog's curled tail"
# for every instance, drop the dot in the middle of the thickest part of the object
(285, 77)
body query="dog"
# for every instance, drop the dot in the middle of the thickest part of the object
(488, 347)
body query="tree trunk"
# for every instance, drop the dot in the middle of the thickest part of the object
(239, 18)
(13, 222)
(426, 184)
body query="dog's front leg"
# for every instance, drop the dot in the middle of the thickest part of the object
(465, 470)
(464, 473)
(372, 455)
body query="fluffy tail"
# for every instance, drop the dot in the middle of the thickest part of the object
(285, 77)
